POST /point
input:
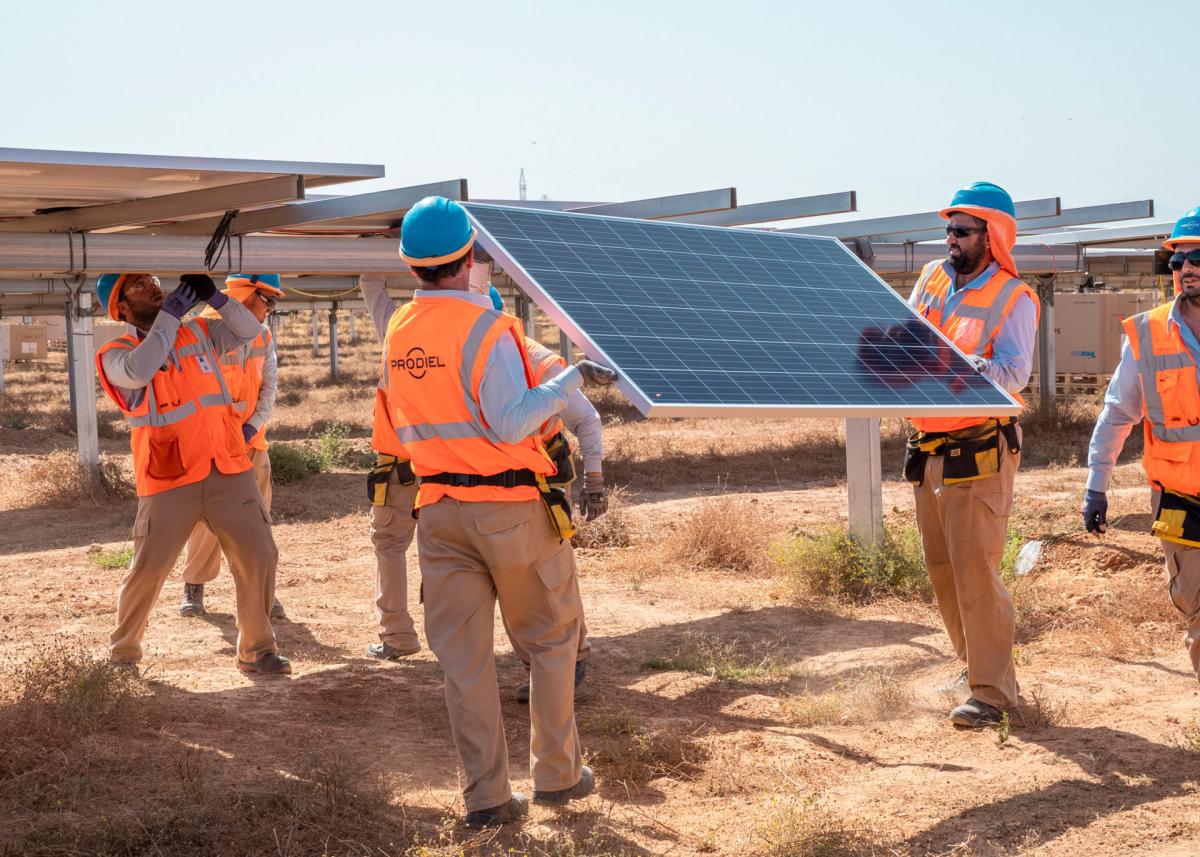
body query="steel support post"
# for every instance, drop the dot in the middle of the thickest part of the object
(70, 360)
(333, 342)
(83, 355)
(353, 330)
(864, 480)
(565, 348)
(316, 331)
(1048, 388)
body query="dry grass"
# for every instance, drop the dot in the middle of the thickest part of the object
(803, 828)
(724, 658)
(728, 533)
(1037, 709)
(60, 480)
(616, 528)
(626, 751)
(865, 696)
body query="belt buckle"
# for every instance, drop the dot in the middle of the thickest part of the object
(460, 480)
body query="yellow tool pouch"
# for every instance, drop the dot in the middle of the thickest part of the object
(558, 448)
(558, 508)
(381, 473)
(968, 455)
(1178, 519)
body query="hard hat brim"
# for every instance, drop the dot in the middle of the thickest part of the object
(432, 261)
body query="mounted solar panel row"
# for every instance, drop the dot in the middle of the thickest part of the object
(709, 321)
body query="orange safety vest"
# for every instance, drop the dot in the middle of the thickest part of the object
(243, 369)
(434, 357)
(1170, 400)
(973, 326)
(186, 420)
(543, 360)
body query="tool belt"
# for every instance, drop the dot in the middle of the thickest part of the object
(381, 474)
(1178, 518)
(559, 450)
(555, 500)
(970, 453)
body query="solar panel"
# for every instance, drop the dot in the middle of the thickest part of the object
(711, 321)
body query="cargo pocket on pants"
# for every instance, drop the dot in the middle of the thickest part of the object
(1183, 588)
(557, 573)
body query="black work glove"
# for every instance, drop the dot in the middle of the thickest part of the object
(594, 501)
(1095, 511)
(201, 284)
(596, 375)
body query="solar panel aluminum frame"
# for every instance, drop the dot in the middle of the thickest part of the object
(652, 409)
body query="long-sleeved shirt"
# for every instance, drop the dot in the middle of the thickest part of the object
(581, 419)
(130, 371)
(1012, 351)
(1123, 407)
(511, 408)
(267, 387)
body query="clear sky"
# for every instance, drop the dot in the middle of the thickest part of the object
(902, 102)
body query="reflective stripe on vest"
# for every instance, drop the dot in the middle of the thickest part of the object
(987, 307)
(185, 421)
(543, 360)
(1170, 400)
(436, 354)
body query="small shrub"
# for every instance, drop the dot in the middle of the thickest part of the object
(291, 463)
(333, 446)
(723, 533)
(865, 695)
(60, 479)
(112, 559)
(804, 829)
(721, 657)
(1037, 710)
(628, 752)
(833, 563)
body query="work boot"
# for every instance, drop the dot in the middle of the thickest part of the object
(580, 675)
(271, 663)
(387, 652)
(974, 713)
(277, 610)
(193, 600)
(583, 788)
(959, 690)
(515, 807)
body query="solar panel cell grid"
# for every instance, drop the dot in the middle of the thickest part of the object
(707, 320)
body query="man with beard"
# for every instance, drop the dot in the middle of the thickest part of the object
(1156, 382)
(189, 455)
(962, 468)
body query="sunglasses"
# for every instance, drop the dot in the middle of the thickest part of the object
(964, 231)
(268, 302)
(1177, 259)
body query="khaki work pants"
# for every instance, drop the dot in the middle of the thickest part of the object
(392, 529)
(472, 554)
(1183, 585)
(233, 509)
(585, 645)
(202, 557)
(964, 528)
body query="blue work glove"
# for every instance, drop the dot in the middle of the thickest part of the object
(180, 301)
(1095, 511)
(248, 432)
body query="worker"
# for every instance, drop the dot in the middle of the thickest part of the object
(962, 468)
(1156, 383)
(189, 455)
(458, 394)
(582, 420)
(250, 373)
(392, 492)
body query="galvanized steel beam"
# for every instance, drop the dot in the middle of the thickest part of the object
(779, 209)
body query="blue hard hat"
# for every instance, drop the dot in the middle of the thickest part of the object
(108, 292)
(435, 231)
(981, 195)
(1186, 231)
(268, 283)
(494, 294)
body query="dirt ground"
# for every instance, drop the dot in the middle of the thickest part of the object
(784, 723)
